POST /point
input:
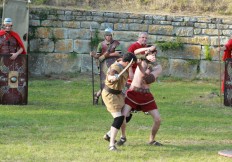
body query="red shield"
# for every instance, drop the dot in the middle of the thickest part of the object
(13, 80)
(228, 83)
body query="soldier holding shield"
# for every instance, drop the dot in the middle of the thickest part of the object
(227, 48)
(10, 42)
(13, 70)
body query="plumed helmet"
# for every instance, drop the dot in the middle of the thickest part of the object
(108, 31)
(7, 21)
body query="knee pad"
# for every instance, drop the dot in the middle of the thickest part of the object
(128, 118)
(118, 122)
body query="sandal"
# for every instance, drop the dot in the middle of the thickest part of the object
(107, 138)
(113, 148)
(96, 98)
(121, 141)
(155, 143)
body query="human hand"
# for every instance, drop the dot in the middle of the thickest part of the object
(139, 61)
(14, 56)
(113, 78)
(221, 48)
(106, 54)
(152, 48)
(91, 54)
(101, 58)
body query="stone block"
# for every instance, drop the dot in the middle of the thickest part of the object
(41, 45)
(183, 68)
(79, 33)
(214, 41)
(201, 25)
(165, 65)
(160, 17)
(43, 32)
(86, 64)
(71, 24)
(183, 31)
(60, 33)
(188, 52)
(58, 63)
(126, 36)
(227, 32)
(121, 26)
(160, 29)
(34, 22)
(81, 46)
(87, 24)
(214, 54)
(196, 40)
(64, 46)
(138, 27)
(212, 32)
(210, 69)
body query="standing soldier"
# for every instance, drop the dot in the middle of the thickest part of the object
(108, 51)
(227, 48)
(10, 42)
(13, 72)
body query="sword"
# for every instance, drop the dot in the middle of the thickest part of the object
(118, 75)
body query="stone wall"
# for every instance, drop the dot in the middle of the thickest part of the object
(59, 40)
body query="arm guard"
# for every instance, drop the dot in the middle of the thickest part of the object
(149, 78)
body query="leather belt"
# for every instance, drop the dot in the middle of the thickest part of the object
(141, 90)
(113, 91)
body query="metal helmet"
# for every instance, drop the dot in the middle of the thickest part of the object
(7, 21)
(108, 31)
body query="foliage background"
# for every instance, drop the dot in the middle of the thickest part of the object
(195, 7)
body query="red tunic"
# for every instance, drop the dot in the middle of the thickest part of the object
(227, 52)
(140, 101)
(132, 49)
(17, 37)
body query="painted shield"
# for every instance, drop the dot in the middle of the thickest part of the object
(13, 80)
(104, 67)
(228, 83)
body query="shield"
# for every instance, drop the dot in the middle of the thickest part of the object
(13, 80)
(228, 83)
(104, 67)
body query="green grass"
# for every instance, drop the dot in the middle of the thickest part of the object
(61, 124)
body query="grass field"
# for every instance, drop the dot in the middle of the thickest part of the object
(61, 124)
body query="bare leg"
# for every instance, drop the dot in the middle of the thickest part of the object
(156, 124)
(125, 111)
(113, 130)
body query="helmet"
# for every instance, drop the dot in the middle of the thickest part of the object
(108, 31)
(8, 21)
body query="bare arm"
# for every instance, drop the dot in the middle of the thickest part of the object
(221, 48)
(156, 70)
(140, 50)
(142, 65)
